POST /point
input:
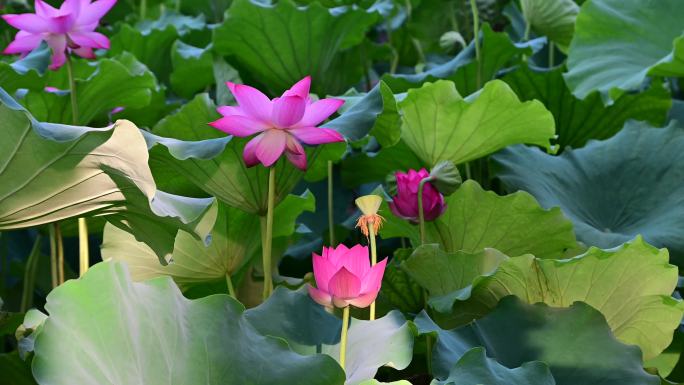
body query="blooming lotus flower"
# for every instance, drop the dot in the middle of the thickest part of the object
(280, 125)
(345, 277)
(405, 203)
(71, 28)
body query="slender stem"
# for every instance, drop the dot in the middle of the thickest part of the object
(267, 241)
(229, 283)
(331, 214)
(30, 275)
(83, 252)
(178, 5)
(143, 9)
(60, 253)
(72, 91)
(476, 40)
(53, 256)
(528, 27)
(467, 170)
(374, 260)
(552, 49)
(343, 336)
(421, 213)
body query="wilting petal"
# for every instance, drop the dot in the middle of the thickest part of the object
(95, 11)
(313, 135)
(249, 153)
(90, 39)
(271, 146)
(58, 44)
(301, 88)
(320, 297)
(372, 281)
(357, 260)
(364, 300)
(252, 101)
(23, 42)
(237, 125)
(44, 9)
(230, 110)
(28, 22)
(84, 52)
(323, 271)
(320, 111)
(288, 110)
(344, 284)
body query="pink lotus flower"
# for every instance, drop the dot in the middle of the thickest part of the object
(71, 28)
(345, 277)
(405, 203)
(280, 125)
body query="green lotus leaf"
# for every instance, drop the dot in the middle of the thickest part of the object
(387, 341)
(277, 45)
(123, 332)
(213, 161)
(375, 166)
(235, 239)
(612, 190)
(618, 43)
(100, 87)
(26, 72)
(438, 124)
(636, 274)
(577, 120)
(575, 343)
(552, 18)
(51, 172)
(476, 219)
(192, 69)
(14, 370)
(474, 368)
(497, 51)
(399, 290)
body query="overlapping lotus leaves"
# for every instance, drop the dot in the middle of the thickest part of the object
(552, 18)
(54, 172)
(26, 72)
(119, 82)
(438, 124)
(474, 368)
(235, 239)
(497, 51)
(578, 120)
(476, 219)
(618, 43)
(277, 45)
(612, 190)
(192, 69)
(387, 341)
(376, 165)
(156, 336)
(575, 343)
(630, 286)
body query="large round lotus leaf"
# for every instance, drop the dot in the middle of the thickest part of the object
(576, 344)
(105, 329)
(552, 18)
(612, 190)
(618, 43)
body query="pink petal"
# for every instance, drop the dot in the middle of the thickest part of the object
(301, 88)
(323, 271)
(320, 297)
(357, 260)
(252, 101)
(71, 7)
(344, 284)
(58, 44)
(288, 110)
(313, 135)
(249, 152)
(320, 111)
(28, 22)
(230, 110)
(95, 11)
(295, 153)
(298, 160)
(90, 39)
(237, 125)
(23, 42)
(44, 9)
(364, 300)
(372, 281)
(84, 52)
(271, 146)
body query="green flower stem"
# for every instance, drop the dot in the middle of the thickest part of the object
(229, 283)
(343, 336)
(30, 275)
(374, 260)
(143, 9)
(59, 243)
(53, 256)
(476, 40)
(331, 217)
(552, 49)
(267, 241)
(83, 252)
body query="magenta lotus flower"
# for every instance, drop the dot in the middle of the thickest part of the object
(280, 125)
(345, 277)
(405, 203)
(71, 28)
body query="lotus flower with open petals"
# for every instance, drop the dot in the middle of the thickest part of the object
(71, 28)
(281, 125)
(345, 277)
